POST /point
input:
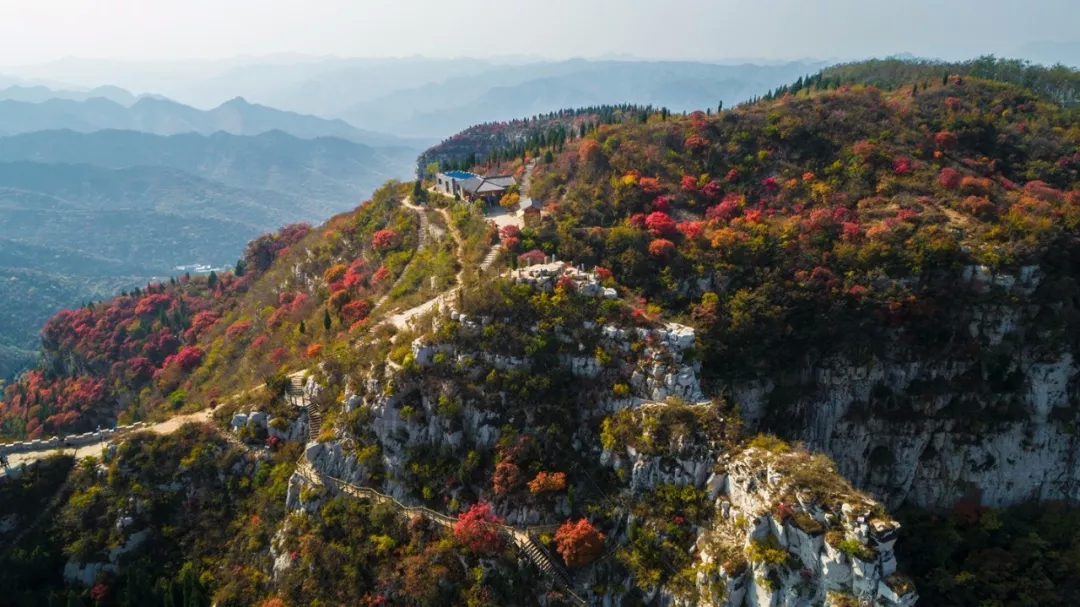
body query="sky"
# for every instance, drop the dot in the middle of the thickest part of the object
(37, 31)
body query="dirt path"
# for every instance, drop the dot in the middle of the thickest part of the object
(95, 449)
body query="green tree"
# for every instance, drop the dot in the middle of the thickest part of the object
(211, 281)
(239, 271)
(301, 329)
(326, 321)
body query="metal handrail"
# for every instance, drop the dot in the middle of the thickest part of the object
(520, 535)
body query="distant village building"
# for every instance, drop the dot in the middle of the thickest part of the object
(530, 211)
(471, 186)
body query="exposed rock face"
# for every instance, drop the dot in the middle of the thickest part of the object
(936, 458)
(820, 552)
(1009, 441)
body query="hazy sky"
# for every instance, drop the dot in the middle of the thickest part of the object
(34, 31)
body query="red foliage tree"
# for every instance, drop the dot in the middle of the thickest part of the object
(661, 247)
(688, 183)
(691, 230)
(946, 141)
(579, 543)
(712, 189)
(533, 257)
(547, 482)
(660, 223)
(381, 274)
(950, 178)
(589, 150)
(507, 477)
(476, 529)
(356, 310)
(189, 357)
(384, 239)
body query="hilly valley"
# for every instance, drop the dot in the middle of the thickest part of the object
(83, 215)
(815, 349)
(165, 117)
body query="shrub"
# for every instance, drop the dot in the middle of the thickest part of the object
(579, 543)
(547, 482)
(476, 529)
(766, 550)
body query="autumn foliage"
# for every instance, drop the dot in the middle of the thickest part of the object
(579, 542)
(476, 528)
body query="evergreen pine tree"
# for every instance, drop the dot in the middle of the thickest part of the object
(720, 106)
(945, 79)
(301, 328)
(239, 271)
(326, 321)
(211, 281)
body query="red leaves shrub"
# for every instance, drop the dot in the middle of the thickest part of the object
(952, 102)
(356, 310)
(976, 185)
(259, 341)
(902, 166)
(691, 230)
(649, 185)
(507, 477)
(237, 329)
(661, 204)
(864, 149)
(547, 481)
(603, 273)
(152, 304)
(769, 183)
(696, 143)
(732, 176)
(314, 350)
(278, 355)
(512, 243)
(589, 150)
(713, 189)
(661, 247)
(384, 239)
(99, 593)
(533, 257)
(946, 141)
(726, 210)
(188, 358)
(850, 230)
(509, 231)
(949, 178)
(637, 220)
(381, 274)
(660, 223)
(980, 207)
(688, 183)
(579, 543)
(475, 528)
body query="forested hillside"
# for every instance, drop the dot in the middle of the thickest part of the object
(885, 275)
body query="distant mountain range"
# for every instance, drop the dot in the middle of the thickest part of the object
(430, 98)
(518, 91)
(165, 117)
(41, 94)
(325, 175)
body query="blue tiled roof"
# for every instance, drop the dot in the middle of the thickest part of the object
(459, 174)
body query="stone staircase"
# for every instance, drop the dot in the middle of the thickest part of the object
(491, 255)
(523, 537)
(536, 553)
(295, 393)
